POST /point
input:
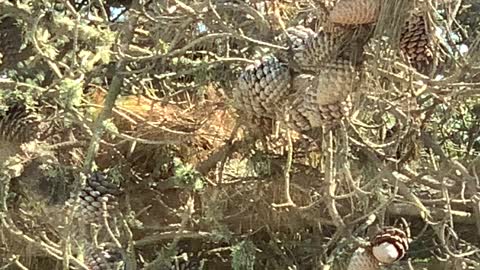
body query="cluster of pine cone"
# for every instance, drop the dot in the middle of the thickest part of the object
(97, 200)
(312, 85)
(18, 125)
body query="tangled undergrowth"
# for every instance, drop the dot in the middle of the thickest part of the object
(121, 138)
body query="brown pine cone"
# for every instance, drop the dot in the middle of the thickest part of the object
(297, 112)
(328, 115)
(17, 125)
(261, 88)
(388, 246)
(328, 100)
(335, 82)
(11, 38)
(311, 49)
(320, 19)
(91, 199)
(416, 43)
(355, 11)
(298, 119)
(104, 258)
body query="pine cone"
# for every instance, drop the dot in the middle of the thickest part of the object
(416, 44)
(387, 247)
(104, 258)
(390, 245)
(297, 112)
(320, 19)
(364, 260)
(335, 82)
(328, 115)
(17, 125)
(261, 87)
(298, 116)
(98, 190)
(311, 49)
(11, 38)
(355, 12)
(328, 100)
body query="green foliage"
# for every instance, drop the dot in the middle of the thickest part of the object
(47, 48)
(243, 255)
(239, 167)
(186, 176)
(89, 60)
(70, 93)
(115, 175)
(221, 233)
(162, 46)
(110, 127)
(13, 96)
(96, 36)
(261, 164)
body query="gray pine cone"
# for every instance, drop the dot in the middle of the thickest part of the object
(261, 87)
(91, 199)
(297, 112)
(311, 50)
(104, 258)
(298, 116)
